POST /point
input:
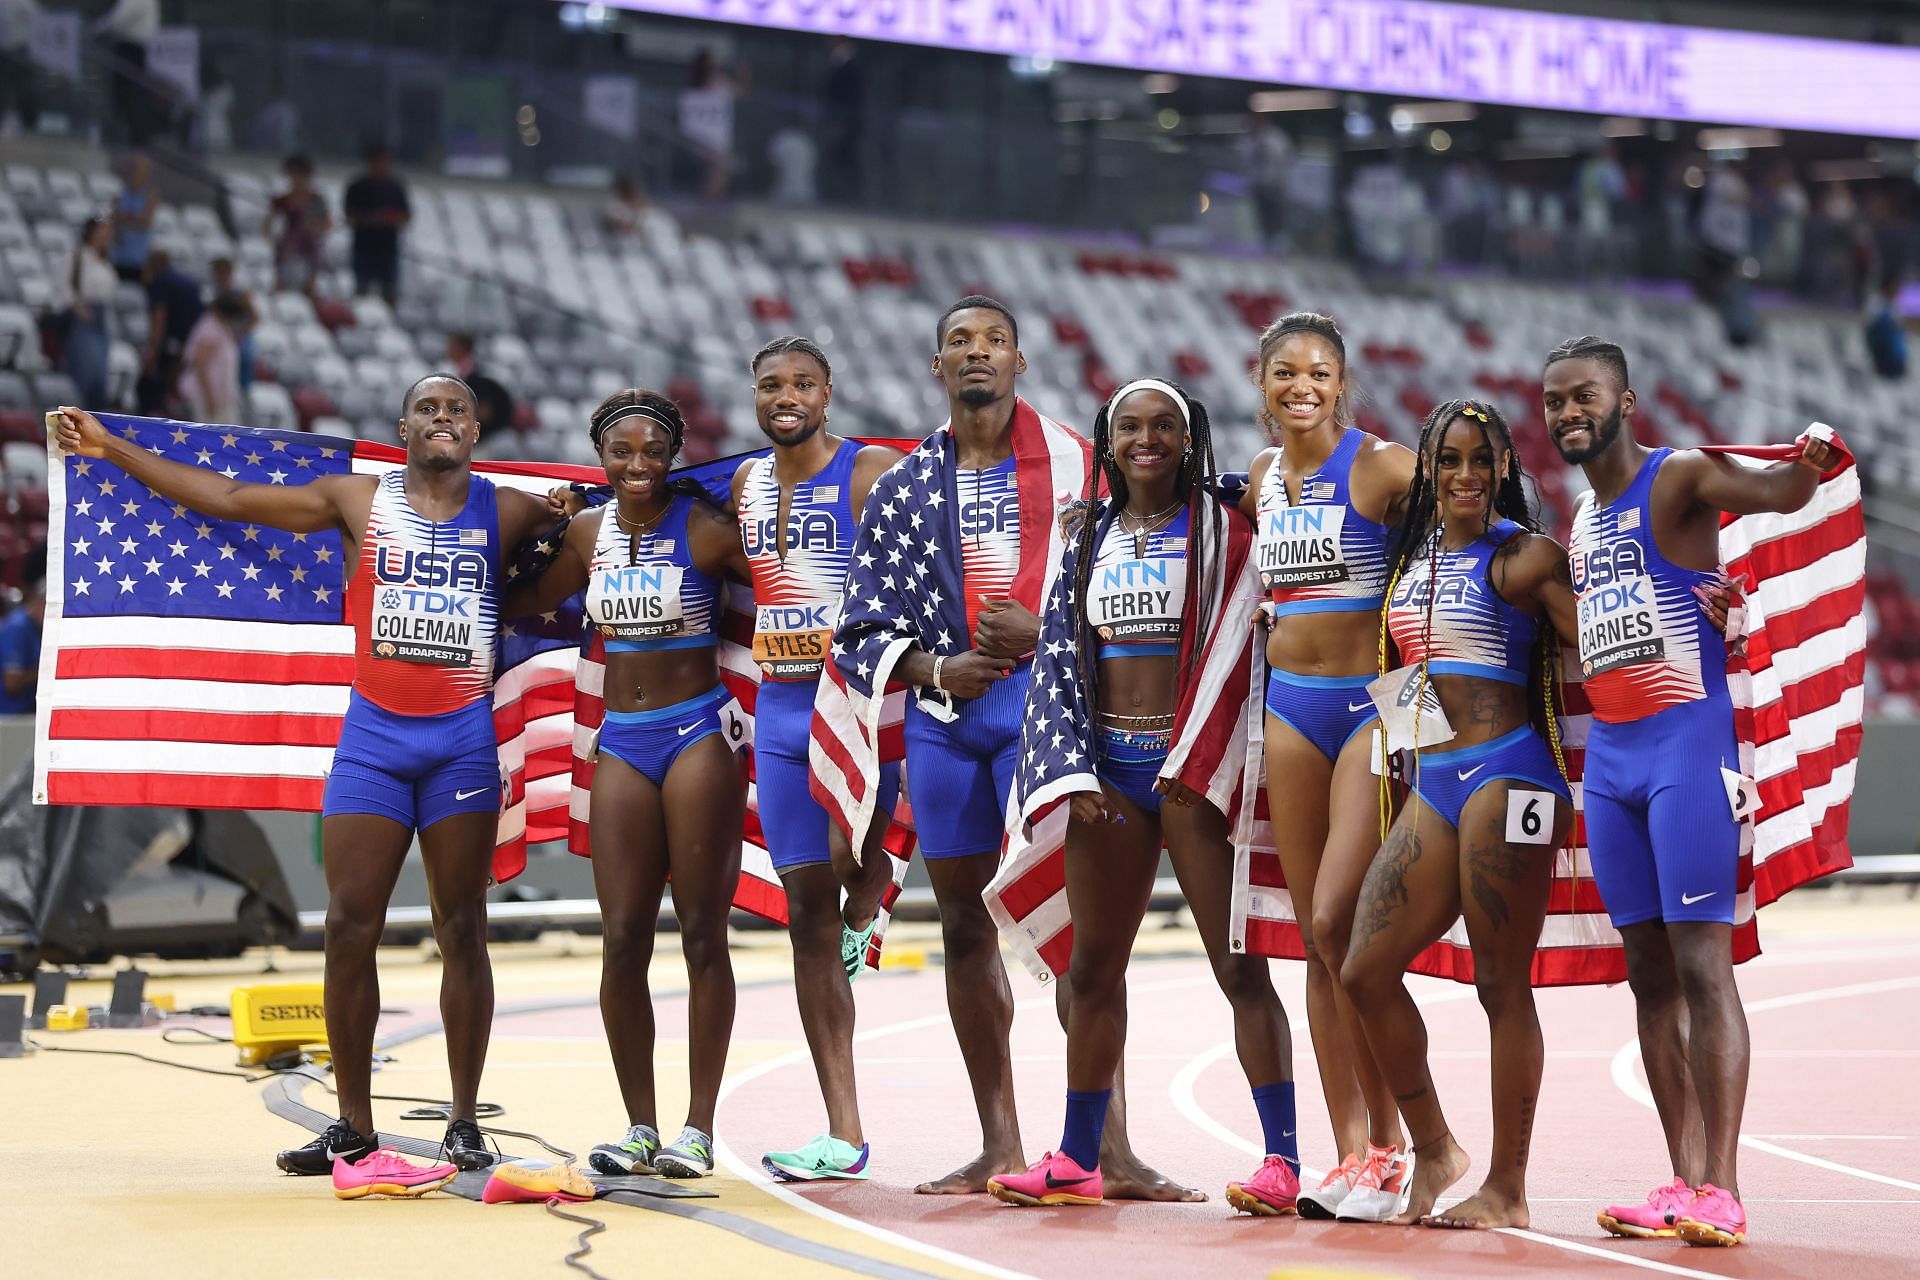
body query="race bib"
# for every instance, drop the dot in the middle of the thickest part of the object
(431, 625)
(790, 640)
(1137, 600)
(1409, 706)
(1620, 625)
(1743, 798)
(639, 601)
(1300, 547)
(1530, 816)
(736, 725)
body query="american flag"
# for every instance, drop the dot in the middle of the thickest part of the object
(1797, 689)
(905, 588)
(191, 661)
(1216, 748)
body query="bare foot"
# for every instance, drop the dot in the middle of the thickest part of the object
(1437, 1166)
(971, 1177)
(1131, 1179)
(1485, 1209)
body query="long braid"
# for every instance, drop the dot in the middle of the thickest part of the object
(1087, 543)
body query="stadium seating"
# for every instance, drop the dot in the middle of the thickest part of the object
(566, 314)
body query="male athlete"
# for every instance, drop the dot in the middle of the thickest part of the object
(957, 548)
(1663, 764)
(797, 508)
(417, 749)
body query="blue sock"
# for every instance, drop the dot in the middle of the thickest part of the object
(1274, 1102)
(1086, 1118)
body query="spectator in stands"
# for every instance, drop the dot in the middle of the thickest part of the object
(86, 288)
(492, 402)
(706, 122)
(843, 127)
(298, 221)
(377, 210)
(625, 213)
(20, 652)
(126, 30)
(19, 90)
(133, 214)
(174, 307)
(1781, 223)
(210, 365)
(1886, 340)
(1266, 156)
(793, 157)
(276, 126)
(223, 281)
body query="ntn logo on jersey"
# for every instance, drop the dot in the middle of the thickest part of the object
(639, 579)
(1134, 575)
(813, 530)
(409, 566)
(1605, 565)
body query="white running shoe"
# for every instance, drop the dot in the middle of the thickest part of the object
(1381, 1190)
(1324, 1200)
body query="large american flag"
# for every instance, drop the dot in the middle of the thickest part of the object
(1797, 686)
(1216, 747)
(190, 661)
(905, 588)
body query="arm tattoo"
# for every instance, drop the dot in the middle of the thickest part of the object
(1385, 888)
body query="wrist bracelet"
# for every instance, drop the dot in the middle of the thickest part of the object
(939, 661)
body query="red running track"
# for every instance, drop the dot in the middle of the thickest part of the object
(1829, 1171)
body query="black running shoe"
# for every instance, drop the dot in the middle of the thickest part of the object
(339, 1142)
(465, 1148)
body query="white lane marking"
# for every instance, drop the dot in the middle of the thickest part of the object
(1628, 1082)
(752, 1172)
(1180, 1090)
(1833, 1137)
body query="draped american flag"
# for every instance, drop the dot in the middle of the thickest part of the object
(1797, 688)
(1215, 751)
(191, 661)
(905, 588)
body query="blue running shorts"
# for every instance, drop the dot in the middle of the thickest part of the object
(650, 741)
(1325, 710)
(792, 822)
(415, 770)
(960, 774)
(1446, 780)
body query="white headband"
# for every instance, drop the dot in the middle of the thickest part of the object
(1150, 384)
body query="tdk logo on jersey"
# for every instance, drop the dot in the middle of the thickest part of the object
(459, 570)
(794, 617)
(989, 516)
(806, 531)
(1604, 566)
(424, 600)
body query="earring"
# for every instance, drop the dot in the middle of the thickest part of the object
(825, 418)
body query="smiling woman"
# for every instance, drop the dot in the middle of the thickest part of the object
(668, 790)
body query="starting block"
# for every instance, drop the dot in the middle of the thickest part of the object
(274, 1019)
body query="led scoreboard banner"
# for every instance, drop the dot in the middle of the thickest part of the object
(1404, 47)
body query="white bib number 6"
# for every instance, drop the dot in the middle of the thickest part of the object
(1530, 816)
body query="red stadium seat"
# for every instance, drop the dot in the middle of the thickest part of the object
(1069, 331)
(333, 312)
(311, 403)
(16, 424)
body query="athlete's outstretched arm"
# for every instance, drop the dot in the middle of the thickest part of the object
(525, 597)
(713, 542)
(297, 508)
(1530, 572)
(1716, 480)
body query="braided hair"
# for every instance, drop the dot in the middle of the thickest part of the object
(650, 406)
(792, 344)
(1305, 322)
(1205, 536)
(1420, 535)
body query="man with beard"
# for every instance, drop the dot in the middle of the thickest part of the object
(958, 546)
(1663, 763)
(798, 508)
(417, 751)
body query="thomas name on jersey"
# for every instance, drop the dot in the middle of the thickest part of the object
(1300, 546)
